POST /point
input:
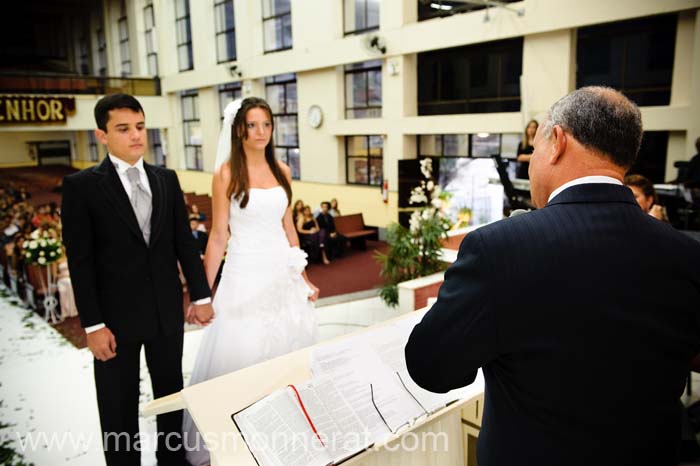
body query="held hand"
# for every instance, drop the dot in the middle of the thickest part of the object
(315, 290)
(203, 314)
(189, 314)
(102, 344)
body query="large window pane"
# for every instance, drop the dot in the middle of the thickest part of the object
(482, 78)
(635, 57)
(375, 171)
(360, 15)
(291, 97)
(276, 7)
(357, 146)
(486, 145)
(455, 145)
(357, 170)
(182, 8)
(363, 90)
(281, 94)
(364, 159)
(286, 133)
(275, 98)
(509, 144)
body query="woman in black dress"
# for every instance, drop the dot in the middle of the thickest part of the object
(525, 149)
(311, 237)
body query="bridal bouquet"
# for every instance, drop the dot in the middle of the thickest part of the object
(42, 248)
(415, 251)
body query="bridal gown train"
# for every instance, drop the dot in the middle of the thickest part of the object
(261, 304)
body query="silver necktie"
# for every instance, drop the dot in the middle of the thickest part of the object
(141, 202)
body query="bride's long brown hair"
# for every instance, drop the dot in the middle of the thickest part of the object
(239, 186)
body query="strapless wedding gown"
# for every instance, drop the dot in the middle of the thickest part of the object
(261, 304)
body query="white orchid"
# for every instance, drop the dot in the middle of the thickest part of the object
(417, 196)
(426, 167)
(414, 222)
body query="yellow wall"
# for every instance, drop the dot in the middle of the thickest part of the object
(351, 199)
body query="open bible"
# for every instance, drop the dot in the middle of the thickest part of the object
(307, 425)
(360, 394)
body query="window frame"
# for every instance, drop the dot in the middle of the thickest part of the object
(442, 58)
(93, 150)
(234, 87)
(101, 50)
(368, 159)
(275, 17)
(124, 52)
(150, 31)
(199, 160)
(186, 19)
(364, 30)
(285, 80)
(364, 70)
(230, 32)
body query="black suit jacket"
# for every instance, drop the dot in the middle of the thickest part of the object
(200, 242)
(118, 279)
(584, 316)
(326, 222)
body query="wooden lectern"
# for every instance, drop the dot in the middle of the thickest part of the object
(211, 404)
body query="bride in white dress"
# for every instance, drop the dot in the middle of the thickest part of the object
(263, 303)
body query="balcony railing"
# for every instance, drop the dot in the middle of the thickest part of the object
(60, 84)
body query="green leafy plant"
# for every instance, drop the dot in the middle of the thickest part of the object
(415, 251)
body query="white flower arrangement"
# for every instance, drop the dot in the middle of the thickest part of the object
(416, 251)
(41, 248)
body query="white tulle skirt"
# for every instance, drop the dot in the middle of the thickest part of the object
(261, 311)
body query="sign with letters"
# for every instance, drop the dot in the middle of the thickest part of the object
(17, 110)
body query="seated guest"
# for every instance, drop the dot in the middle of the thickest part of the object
(194, 211)
(334, 210)
(334, 242)
(297, 210)
(200, 237)
(644, 193)
(311, 236)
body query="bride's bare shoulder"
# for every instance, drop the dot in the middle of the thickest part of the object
(223, 174)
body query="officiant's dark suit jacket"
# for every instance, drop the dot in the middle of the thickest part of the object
(583, 316)
(118, 279)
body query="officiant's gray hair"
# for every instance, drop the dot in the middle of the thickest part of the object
(602, 119)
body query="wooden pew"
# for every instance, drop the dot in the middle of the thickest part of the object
(353, 228)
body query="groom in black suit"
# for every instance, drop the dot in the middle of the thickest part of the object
(583, 314)
(125, 229)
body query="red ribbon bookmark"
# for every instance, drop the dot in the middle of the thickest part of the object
(308, 419)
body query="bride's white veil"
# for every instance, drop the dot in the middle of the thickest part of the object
(223, 150)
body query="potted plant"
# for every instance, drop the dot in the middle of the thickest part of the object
(415, 251)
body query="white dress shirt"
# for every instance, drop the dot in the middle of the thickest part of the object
(584, 180)
(121, 167)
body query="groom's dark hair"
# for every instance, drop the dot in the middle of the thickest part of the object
(112, 102)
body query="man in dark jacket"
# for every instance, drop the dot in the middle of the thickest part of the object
(585, 351)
